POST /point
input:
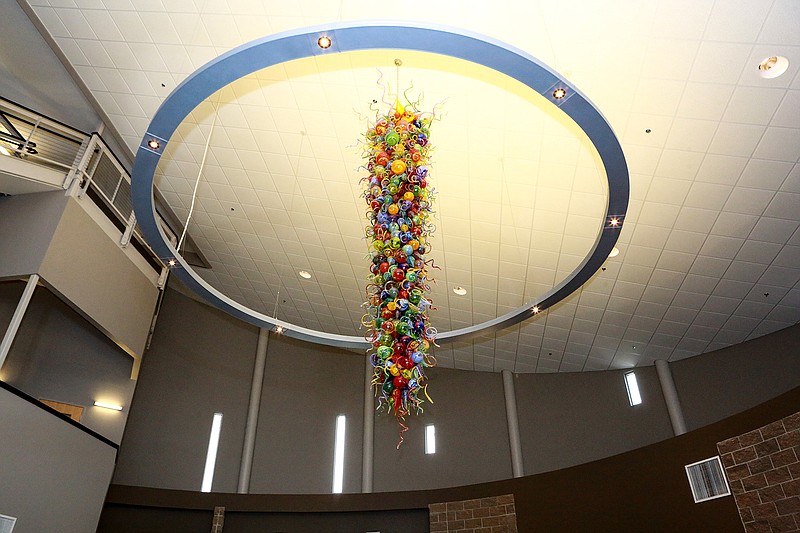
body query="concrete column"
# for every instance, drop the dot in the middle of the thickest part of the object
(251, 425)
(517, 467)
(369, 430)
(671, 397)
(16, 319)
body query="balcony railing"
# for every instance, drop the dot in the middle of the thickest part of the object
(90, 168)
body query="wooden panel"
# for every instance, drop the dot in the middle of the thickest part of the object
(73, 411)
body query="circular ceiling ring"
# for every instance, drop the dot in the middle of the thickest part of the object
(347, 37)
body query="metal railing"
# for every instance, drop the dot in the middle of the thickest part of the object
(90, 167)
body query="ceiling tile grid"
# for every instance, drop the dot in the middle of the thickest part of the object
(710, 253)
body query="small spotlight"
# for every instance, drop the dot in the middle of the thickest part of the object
(172, 262)
(108, 406)
(535, 309)
(461, 291)
(278, 329)
(614, 222)
(559, 93)
(324, 42)
(305, 274)
(154, 144)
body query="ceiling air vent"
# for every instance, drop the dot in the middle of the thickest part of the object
(7, 523)
(707, 479)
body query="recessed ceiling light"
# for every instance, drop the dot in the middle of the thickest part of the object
(324, 42)
(772, 67)
(614, 222)
(152, 143)
(559, 93)
(461, 291)
(535, 309)
(614, 252)
(305, 274)
(172, 262)
(278, 329)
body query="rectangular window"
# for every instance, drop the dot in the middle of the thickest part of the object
(633, 389)
(211, 456)
(430, 439)
(338, 456)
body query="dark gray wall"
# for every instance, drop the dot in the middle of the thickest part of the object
(306, 387)
(58, 355)
(573, 418)
(53, 476)
(200, 362)
(471, 436)
(728, 381)
(27, 225)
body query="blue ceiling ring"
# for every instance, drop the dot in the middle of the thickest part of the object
(347, 37)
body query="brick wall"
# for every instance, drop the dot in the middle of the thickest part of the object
(764, 475)
(485, 515)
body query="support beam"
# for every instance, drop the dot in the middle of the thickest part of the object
(369, 430)
(16, 319)
(251, 425)
(671, 397)
(517, 467)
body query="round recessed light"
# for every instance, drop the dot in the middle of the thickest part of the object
(772, 67)
(535, 309)
(559, 93)
(278, 329)
(172, 262)
(305, 274)
(154, 144)
(461, 291)
(614, 252)
(324, 42)
(614, 222)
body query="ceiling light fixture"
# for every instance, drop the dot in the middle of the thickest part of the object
(172, 262)
(614, 252)
(324, 42)
(559, 93)
(111, 406)
(535, 309)
(154, 144)
(614, 222)
(305, 274)
(278, 329)
(772, 67)
(461, 291)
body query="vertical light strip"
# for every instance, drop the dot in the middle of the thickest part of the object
(338, 456)
(211, 456)
(633, 389)
(430, 439)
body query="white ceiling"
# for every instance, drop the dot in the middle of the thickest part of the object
(709, 255)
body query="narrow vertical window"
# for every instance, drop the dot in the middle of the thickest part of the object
(430, 439)
(211, 456)
(633, 389)
(338, 456)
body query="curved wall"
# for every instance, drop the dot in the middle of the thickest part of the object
(642, 490)
(200, 362)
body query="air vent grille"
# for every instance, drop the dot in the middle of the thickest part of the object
(707, 480)
(7, 523)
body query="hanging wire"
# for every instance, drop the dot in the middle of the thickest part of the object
(199, 173)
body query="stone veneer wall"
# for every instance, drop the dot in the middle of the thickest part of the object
(764, 475)
(495, 514)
